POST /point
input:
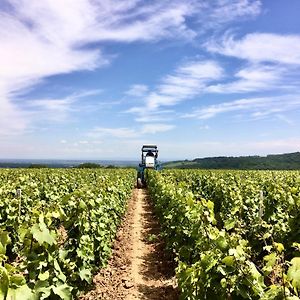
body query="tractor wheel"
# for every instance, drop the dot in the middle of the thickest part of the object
(139, 183)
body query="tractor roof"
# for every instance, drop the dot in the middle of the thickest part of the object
(149, 147)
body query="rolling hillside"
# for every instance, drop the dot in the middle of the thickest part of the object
(288, 161)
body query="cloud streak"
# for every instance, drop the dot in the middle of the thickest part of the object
(255, 78)
(57, 110)
(156, 128)
(120, 133)
(137, 90)
(188, 80)
(44, 38)
(216, 13)
(40, 39)
(260, 47)
(129, 133)
(254, 107)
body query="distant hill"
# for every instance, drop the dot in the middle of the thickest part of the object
(59, 163)
(288, 161)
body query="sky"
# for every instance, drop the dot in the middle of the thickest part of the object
(97, 79)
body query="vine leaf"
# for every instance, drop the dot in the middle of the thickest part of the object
(294, 272)
(4, 282)
(23, 292)
(42, 234)
(85, 274)
(63, 291)
(4, 241)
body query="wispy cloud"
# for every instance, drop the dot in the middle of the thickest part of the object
(56, 109)
(273, 62)
(137, 90)
(188, 80)
(255, 78)
(112, 132)
(146, 116)
(216, 13)
(44, 38)
(254, 107)
(12, 121)
(156, 127)
(260, 47)
(40, 39)
(129, 133)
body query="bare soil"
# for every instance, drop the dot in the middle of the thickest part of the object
(139, 267)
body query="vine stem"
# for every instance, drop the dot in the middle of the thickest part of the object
(282, 275)
(19, 195)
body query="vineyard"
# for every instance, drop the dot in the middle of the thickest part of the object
(233, 234)
(57, 228)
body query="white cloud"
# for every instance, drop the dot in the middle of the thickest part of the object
(255, 78)
(156, 127)
(12, 121)
(220, 12)
(147, 116)
(112, 132)
(260, 47)
(254, 107)
(56, 109)
(188, 80)
(151, 22)
(123, 133)
(44, 38)
(137, 90)
(56, 105)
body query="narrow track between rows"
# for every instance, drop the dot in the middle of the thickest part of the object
(139, 268)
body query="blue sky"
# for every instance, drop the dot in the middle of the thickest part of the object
(97, 79)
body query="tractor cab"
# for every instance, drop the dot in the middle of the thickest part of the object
(148, 161)
(149, 156)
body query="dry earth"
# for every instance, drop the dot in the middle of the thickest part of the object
(139, 267)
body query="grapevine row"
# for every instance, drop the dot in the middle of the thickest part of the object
(235, 233)
(57, 228)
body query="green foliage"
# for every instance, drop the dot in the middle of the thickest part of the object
(294, 272)
(57, 228)
(152, 238)
(234, 232)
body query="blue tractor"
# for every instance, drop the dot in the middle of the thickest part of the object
(148, 161)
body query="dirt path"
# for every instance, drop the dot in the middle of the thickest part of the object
(139, 267)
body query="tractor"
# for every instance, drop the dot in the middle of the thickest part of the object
(148, 161)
